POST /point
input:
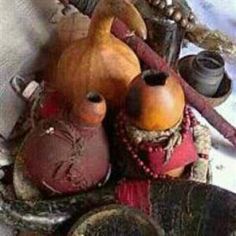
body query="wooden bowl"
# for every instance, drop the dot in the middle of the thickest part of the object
(115, 220)
(224, 90)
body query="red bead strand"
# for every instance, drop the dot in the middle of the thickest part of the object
(189, 121)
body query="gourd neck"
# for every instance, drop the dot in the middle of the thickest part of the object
(101, 30)
(101, 23)
(103, 16)
(91, 111)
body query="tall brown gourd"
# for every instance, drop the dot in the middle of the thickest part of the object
(100, 61)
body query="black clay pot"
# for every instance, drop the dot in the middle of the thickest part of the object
(207, 72)
(224, 90)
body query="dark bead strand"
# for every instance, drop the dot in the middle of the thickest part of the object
(194, 121)
(171, 12)
(186, 123)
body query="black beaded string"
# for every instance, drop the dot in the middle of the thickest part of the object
(174, 14)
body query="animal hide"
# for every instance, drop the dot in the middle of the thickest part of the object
(24, 30)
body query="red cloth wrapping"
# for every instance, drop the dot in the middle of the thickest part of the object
(182, 155)
(135, 194)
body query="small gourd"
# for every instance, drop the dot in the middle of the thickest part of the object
(100, 61)
(155, 101)
(150, 132)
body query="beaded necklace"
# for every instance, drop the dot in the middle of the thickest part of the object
(133, 148)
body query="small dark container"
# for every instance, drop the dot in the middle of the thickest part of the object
(185, 69)
(166, 38)
(207, 72)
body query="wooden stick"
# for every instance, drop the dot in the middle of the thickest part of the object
(154, 61)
